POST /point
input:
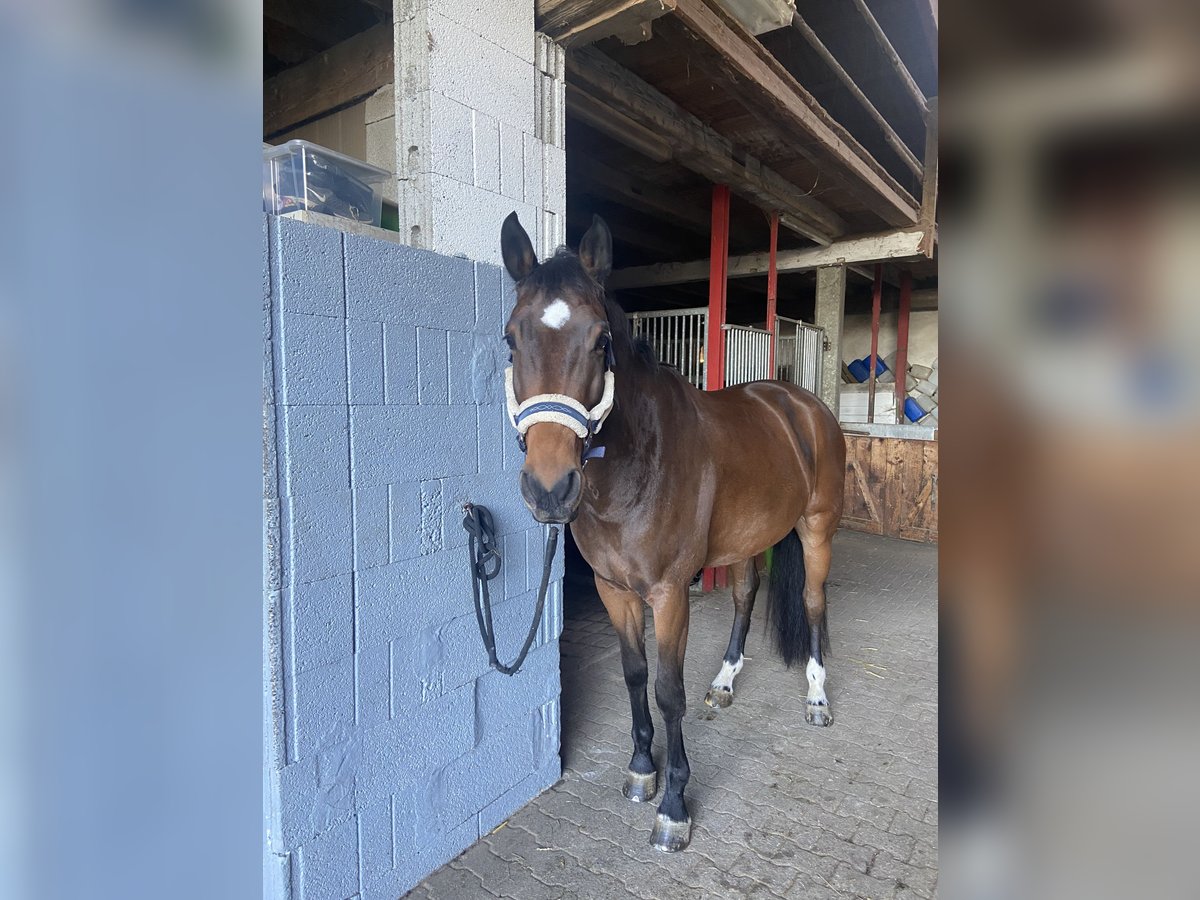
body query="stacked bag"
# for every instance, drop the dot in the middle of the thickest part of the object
(920, 383)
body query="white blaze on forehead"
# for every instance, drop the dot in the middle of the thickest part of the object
(556, 315)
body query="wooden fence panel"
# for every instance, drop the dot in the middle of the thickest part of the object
(892, 487)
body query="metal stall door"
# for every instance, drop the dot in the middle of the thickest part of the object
(747, 354)
(798, 350)
(678, 337)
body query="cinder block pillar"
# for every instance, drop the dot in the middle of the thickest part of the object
(480, 102)
(831, 307)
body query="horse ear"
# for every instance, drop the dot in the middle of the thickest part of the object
(595, 250)
(516, 248)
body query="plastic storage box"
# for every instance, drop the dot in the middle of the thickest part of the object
(299, 175)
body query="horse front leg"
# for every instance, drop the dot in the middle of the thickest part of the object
(626, 612)
(672, 825)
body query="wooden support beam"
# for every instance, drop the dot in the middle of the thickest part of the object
(929, 182)
(890, 54)
(635, 193)
(797, 109)
(594, 112)
(889, 134)
(342, 74)
(697, 146)
(902, 244)
(574, 23)
(872, 360)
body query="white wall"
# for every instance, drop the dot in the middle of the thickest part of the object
(922, 336)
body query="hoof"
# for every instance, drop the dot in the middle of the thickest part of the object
(669, 836)
(640, 788)
(818, 714)
(718, 697)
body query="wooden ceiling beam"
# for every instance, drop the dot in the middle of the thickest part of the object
(889, 134)
(890, 54)
(342, 74)
(612, 88)
(574, 23)
(636, 194)
(900, 244)
(778, 92)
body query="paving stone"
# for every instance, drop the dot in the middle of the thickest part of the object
(780, 809)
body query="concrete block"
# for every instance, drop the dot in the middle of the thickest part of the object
(381, 151)
(408, 749)
(318, 534)
(447, 656)
(501, 700)
(459, 346)
(400, 363)
(494, 430)
(371, 527)
(432, 516)
(492, 307)
(364, 342)
(465, 221)
(404, 513)
(552, 617)
(509, 26)
(419, 442)
(510, 801)
(512, 165)
(547, 730)
(457, 56)
(292, 797)
(515, 564)
(323, 703)
(381, 104)
(308, 261)
(451, 150)
(397, 284)
(328, 865)
(317, 447)
(486, 132)
(431, 366)
(373, 686)
(412, 867)
(376, 841)
(403, 598)
(489, 359)
(321, 616)
(533, 170)
(497, 491)
(554, 179)
(485, 774)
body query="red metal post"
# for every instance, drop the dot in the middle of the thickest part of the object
(876, 296)
(902, 343)
(718, 268)
(772, 289)
(717, 272)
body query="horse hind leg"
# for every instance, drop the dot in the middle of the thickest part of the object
(816, 538)
(745, 586)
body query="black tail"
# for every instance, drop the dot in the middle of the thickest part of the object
(785, 602)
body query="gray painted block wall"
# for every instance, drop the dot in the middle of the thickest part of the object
(390, 744)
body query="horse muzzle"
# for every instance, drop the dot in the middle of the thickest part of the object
(557, 504)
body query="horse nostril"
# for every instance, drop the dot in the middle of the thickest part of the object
(566, 492)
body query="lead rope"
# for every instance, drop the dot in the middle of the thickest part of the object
(485, 565)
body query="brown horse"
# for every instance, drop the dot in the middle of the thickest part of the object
(687, 479)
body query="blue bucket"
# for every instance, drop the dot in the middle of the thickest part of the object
(912, 410)
(880, 365)
(858, 369)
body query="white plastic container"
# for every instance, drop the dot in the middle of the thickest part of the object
(300, 175)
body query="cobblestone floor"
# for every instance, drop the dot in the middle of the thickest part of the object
(780, 809)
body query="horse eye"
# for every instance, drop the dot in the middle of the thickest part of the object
(602, 342)
(508, 339)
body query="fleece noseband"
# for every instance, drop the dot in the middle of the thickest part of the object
(562, 410)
